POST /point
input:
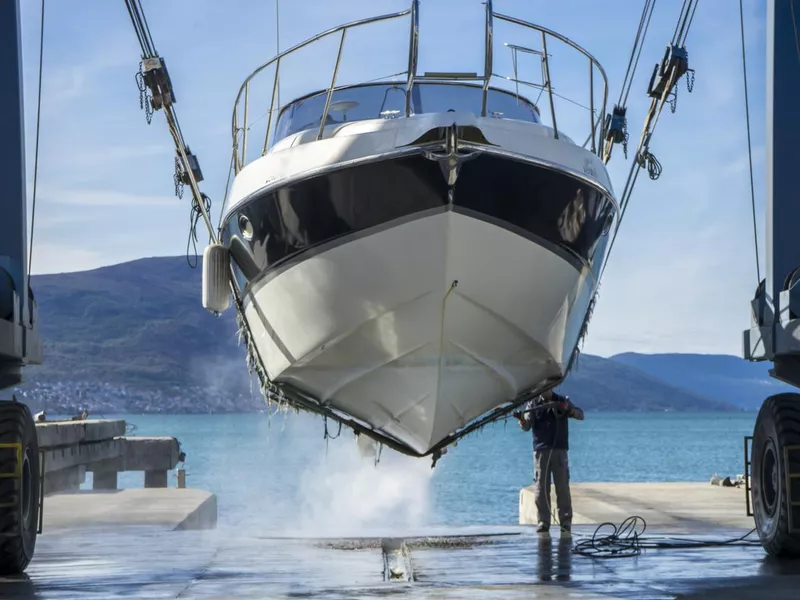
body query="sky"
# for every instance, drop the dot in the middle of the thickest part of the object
(683, 269)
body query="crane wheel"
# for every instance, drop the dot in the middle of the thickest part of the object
(19, 487)
(776, 434)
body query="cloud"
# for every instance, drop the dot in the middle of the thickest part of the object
(59, 258)
(66, 84)
(105, 197)
(740, 164)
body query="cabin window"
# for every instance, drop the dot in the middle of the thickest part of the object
(387, 101)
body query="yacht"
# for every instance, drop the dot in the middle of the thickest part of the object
(416, 257)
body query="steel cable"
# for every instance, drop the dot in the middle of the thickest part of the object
(643, 158)
(36, 150)
(749, 144)
(691, 19)
(139, 21)
(678, 24)
(636, 51)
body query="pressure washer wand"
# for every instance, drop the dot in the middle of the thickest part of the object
(538, 407)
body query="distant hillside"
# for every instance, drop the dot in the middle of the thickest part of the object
(602, 384)
(134, 337)
(137, 323)
(724, 378)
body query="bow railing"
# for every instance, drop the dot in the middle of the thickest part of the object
(594, 140)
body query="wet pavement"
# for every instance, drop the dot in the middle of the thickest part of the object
(511, 562)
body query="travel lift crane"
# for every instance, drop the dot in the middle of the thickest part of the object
(774, 335)
(20, 344)
(775, 314)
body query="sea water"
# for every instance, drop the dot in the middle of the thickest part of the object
(279, 473)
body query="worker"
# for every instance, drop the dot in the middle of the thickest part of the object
(550, 427)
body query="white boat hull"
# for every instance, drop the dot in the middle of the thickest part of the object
(422, 327)
(385, 290)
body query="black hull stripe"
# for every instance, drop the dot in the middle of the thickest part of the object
(274, 271)
(303, 219)
(563, 253)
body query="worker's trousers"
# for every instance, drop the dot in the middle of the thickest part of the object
(555, 464)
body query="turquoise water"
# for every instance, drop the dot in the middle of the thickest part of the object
(279, 474)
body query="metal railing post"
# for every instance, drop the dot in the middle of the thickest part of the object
(413, 48)
(489, 56)
(244, 127)
(591, 104)
(599, 126)
(548, 84)
(333, 85)
(237, 164)
(601, 116)
(271, 106)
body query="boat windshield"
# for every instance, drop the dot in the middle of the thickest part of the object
(388, 100)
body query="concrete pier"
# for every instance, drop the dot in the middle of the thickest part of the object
(57, 434)
(71, 448)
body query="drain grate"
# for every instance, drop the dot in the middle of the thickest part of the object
(396, 560)
(413, 543)
(396, 551)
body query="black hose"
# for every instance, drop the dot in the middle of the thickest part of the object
(627, 541)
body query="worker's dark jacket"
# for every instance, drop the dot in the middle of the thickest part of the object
(550, 426)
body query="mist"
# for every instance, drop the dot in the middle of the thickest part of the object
(347, 494)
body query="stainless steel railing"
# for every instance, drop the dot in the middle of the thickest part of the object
(342, 29)
(595, 124)
(594, 139)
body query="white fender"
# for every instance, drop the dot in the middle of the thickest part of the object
(216, 273)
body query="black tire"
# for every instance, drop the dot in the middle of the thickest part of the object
(777, 426)
(19, 498)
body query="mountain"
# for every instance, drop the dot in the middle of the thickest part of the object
(602, 384)
(724, 378)
(137, 323)
(134, 337)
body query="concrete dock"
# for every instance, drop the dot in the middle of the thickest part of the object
(71, 448)
(675, 507)
(167, 508)
(239, 564)
(476, 562)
